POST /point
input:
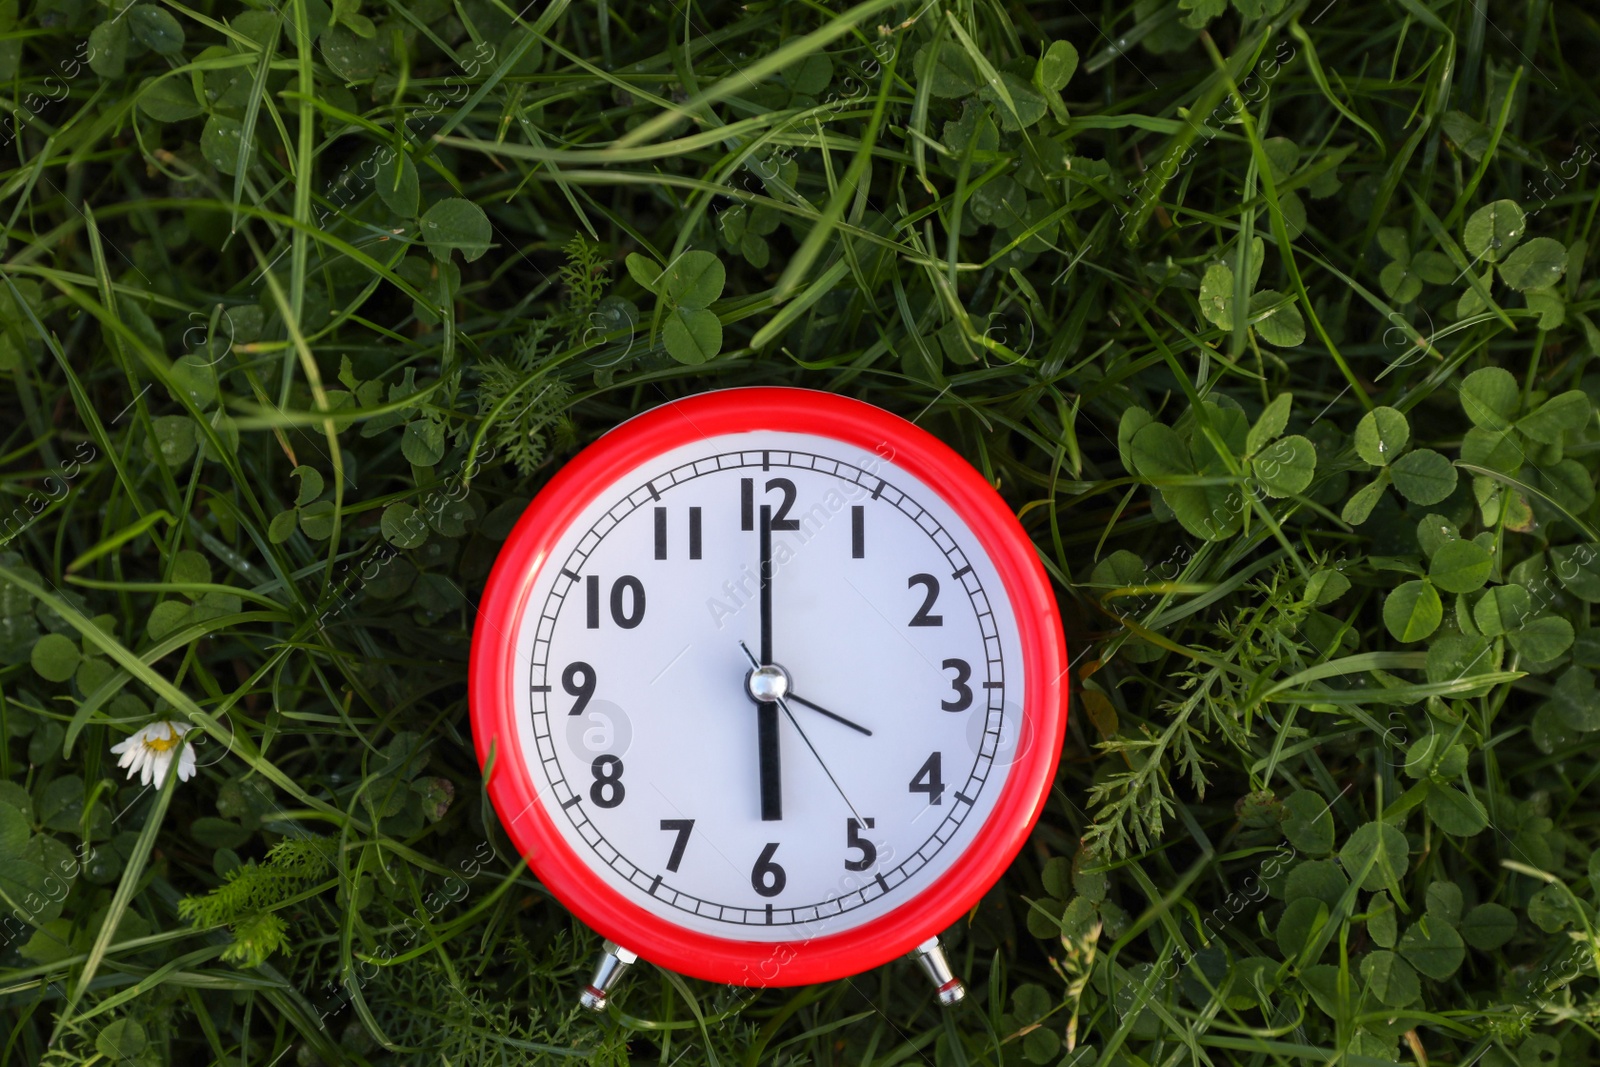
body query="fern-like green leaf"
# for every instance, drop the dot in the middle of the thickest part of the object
(248, 893)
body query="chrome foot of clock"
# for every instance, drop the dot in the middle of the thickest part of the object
(930, 956)
(614, 962)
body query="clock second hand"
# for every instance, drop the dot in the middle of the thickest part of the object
(795, 723)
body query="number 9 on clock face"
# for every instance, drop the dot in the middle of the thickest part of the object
(773, 685)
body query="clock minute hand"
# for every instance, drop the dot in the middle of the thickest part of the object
(768, 761)
(766, 584)
(776, 700)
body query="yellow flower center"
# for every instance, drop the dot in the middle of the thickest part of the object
(161, 744)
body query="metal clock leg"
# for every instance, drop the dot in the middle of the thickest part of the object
(614, 962)
(930, 956)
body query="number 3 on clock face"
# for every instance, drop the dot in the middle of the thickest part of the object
(774, 686)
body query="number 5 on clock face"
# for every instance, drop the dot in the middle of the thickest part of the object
(769, 686)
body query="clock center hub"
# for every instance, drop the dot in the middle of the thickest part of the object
(768, 684)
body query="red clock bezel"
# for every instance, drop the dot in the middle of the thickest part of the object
(493, 707)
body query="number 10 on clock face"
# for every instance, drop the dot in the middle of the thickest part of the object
(768, 687)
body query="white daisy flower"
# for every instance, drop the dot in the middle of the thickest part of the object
(148, 753)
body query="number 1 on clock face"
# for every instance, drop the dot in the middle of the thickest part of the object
(768, 687)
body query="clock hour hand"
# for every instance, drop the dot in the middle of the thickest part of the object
(803, 702)
(798, 699)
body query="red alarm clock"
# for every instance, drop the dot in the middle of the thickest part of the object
(770, 687)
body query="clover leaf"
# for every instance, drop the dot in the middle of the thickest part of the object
(1493, 230)
(1272, 315)
(1422, 476)
(686, 287)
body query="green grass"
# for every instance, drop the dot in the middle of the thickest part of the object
(1273, 321)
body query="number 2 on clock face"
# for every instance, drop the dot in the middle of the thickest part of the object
(885, 630)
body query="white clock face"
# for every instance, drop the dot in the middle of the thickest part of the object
(890, 640)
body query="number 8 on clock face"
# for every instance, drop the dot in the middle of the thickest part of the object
(773, 686)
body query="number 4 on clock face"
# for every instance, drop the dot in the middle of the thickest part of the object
(767, 687)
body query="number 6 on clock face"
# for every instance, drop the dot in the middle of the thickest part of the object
(831, 671)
